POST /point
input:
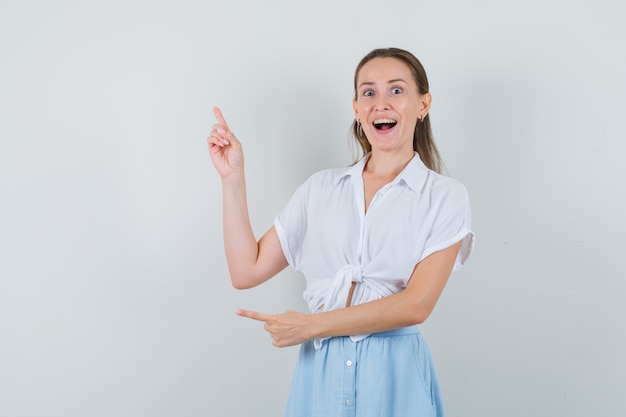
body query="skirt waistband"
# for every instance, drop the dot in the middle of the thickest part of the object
(398, 332)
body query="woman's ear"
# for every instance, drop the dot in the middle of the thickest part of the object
(426, 100)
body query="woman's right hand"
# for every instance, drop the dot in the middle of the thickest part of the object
(225, 150)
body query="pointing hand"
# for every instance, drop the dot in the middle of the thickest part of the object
(286, 329)
(225, 150)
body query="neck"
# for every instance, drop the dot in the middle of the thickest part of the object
(384, 164)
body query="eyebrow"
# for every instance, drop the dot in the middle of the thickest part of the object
(388, 82)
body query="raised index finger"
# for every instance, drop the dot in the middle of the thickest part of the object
(219, 116)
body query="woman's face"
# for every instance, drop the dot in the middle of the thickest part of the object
(388, 104)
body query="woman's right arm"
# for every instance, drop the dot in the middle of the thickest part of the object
(250, 262)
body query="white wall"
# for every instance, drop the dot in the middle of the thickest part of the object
(114, 295)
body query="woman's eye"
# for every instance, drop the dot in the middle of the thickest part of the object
(396, 90)
(368, 93)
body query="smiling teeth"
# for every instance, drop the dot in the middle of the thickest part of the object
(381, 121)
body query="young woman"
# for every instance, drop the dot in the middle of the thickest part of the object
(376, 242)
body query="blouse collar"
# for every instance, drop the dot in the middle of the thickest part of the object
(414, 174)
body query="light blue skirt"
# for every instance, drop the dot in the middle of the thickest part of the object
(388, 374)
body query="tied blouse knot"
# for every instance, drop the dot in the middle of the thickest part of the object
(332, 294)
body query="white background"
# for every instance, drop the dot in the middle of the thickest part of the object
(114, 294)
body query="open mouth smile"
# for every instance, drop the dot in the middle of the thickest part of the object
(384, 124)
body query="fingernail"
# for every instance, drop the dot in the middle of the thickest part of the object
(221, 131)
(226, 141)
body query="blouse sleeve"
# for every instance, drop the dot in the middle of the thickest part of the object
(291, 225)
(452, 223)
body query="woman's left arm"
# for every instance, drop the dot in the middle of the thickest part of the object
(410, 306)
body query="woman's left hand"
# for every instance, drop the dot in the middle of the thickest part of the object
(286, 329)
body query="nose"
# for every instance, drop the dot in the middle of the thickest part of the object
(381, 102)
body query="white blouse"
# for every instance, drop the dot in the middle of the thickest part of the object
(326, 234)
